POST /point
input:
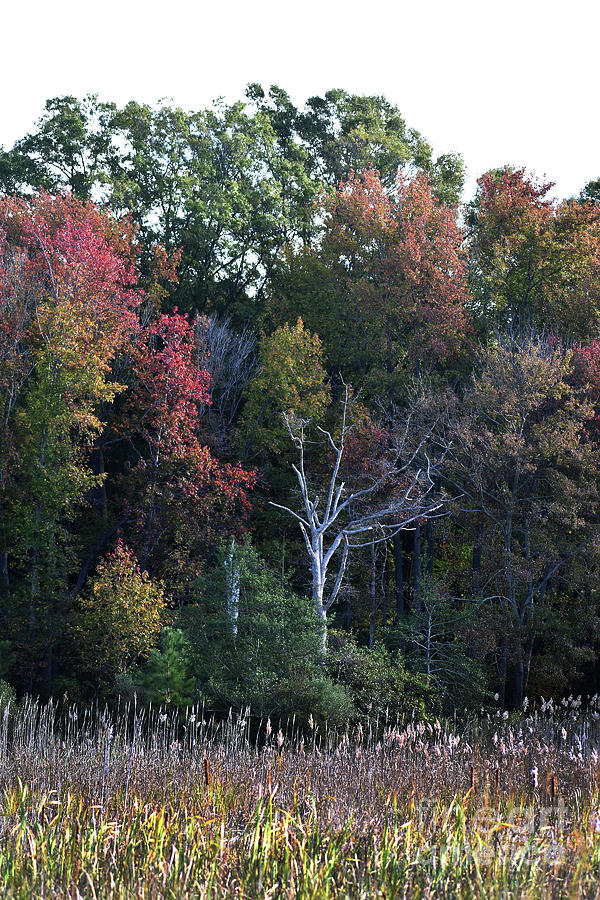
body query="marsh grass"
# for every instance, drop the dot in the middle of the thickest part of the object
(149, 804)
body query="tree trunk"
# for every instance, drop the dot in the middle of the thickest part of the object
(372, 596)
(477, 556)
(502, 673)
(528, 658)
(48, 673)
(4, 579)
(232, 569)
(348, 611)
(398, 573)
(430, 537)
(318, 591)
(98, 493)
(416, 565)
(384, 588)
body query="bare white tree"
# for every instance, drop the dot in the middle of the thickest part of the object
(357, 518)
(233, 580)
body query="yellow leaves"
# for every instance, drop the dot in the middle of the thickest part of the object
(121, 618)
(292, 380)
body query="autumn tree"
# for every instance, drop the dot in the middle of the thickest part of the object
(117, 621)
(179, 494)
(532, 258)
(523, 467)
(68, 306)
(386, 289)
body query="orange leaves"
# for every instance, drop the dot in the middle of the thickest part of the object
(532, 257)
(400, 259)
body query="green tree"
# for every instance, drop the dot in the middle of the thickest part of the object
(341, 133)
(257, 647)
(70, 149)
(436, 641)
(165, 677)
(213, 184)
(378, 683)
(291, 380)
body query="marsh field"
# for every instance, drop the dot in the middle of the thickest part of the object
(144, 804)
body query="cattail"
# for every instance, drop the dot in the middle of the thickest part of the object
(534, 776)
(206, 773)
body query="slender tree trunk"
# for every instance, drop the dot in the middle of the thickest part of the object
(4, 579)
(4, 575)
(372, 596)
(407, 544)
(348, 611)
(98, 493)
(428, 643)
(398, 574)
(528, 657)
(34, 578)
(416, 565)
(502, 673)
(48, 673)
(430, 538)
(477, 556)
(384, 588)
(232, 569)
(151, 508)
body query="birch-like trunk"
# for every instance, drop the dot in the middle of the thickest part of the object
(232, 569)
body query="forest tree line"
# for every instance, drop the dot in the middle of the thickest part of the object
(284, 424)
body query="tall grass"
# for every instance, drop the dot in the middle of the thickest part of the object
(149, 804)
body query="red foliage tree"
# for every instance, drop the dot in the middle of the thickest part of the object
(386, 289)
(180, 490)
(68, 307)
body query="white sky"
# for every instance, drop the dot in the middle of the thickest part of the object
(501, 82)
